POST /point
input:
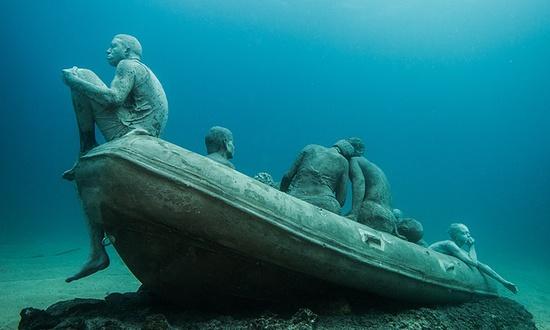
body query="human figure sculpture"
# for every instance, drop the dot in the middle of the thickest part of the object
(409, 228)
(461, 246)
(219, 145)
(371, 196)
(135, 102)
(319, 175)
(412, 230)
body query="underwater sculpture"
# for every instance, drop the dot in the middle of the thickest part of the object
(371, 196)
(134, 103)
(319, 175)
(219, 145)
(412, 230)
(461, 246)
(194, 231)
(409, 228)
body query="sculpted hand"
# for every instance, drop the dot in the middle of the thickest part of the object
(69, 75)
(511, 286)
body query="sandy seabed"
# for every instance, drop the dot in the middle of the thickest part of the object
(33, 274)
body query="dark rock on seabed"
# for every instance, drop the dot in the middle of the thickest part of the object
(142, 311)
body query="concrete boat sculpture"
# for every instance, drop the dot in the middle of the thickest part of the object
(187, 226)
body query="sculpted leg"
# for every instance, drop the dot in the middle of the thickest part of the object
(377, 217)
(84, 111)
(85, 121)
(98, 259)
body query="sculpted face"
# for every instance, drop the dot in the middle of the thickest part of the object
(117, 52)
(462, 235)
(230, 146)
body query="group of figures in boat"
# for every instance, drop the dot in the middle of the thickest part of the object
(135, 103)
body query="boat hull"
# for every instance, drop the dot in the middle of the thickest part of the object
(188, 227)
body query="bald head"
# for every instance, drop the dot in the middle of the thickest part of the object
(217, 139)
(132, 45)
(459, 233)
(346, 149)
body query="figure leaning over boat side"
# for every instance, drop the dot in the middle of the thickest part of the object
(319, 175)
(371, 196)
(409, 228)
(134, 103)
(219, 145)
(461, 246)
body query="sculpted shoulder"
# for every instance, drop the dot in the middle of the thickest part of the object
(344, 162)
(360, 160)
(310, 147)
(127, 66)
(444, 246)
(337, 158)
(369, 166)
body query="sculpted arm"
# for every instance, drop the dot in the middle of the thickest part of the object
(116, 94)
(341, 187)
(455, 251)
(487, 270)
(472, 252)
(450, 248)
(287, 178)
(357, 185)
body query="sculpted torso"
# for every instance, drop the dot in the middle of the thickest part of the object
(377, 187)
(145, 96)
(446, 247)
(320, 172)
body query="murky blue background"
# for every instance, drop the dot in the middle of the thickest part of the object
(452, 99)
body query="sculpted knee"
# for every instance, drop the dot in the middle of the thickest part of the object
(84, 73)
(377, 217)
(89, 76)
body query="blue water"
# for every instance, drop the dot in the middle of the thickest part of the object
(452, 99)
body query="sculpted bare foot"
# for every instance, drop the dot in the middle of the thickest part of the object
(92, 266)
